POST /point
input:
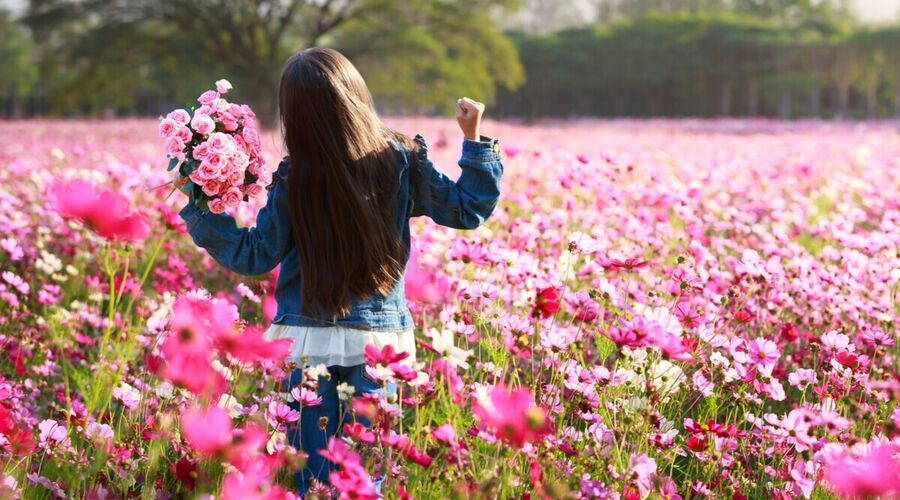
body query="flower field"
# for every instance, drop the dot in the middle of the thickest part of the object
(656, 309)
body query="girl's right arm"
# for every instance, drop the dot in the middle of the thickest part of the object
(468, 202)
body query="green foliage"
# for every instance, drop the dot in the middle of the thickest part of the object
(686, 64)
(127, 54)
(19, 74)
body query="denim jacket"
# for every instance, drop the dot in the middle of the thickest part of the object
(421, 190)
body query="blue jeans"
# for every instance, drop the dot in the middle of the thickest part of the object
(308, 437)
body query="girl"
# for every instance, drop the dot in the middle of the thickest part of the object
(337, 221)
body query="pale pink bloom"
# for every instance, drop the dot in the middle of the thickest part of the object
(179, 116)
(53, 434)
(203, 125)
(207, 98)
(175, 147)
(763, 352)
(167, 127)
(221, 143)
(802, 377)
(223, 86)
(96, 430)
(281, 413)
(644, 468)
(834, 341)
(128, 395)
(305, 396)
(702, 384)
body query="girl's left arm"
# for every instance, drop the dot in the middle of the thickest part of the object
(247, 251)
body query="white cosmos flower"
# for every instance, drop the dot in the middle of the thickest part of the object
(442, 341)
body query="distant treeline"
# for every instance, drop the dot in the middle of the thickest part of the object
(708, 65)
(707, 58)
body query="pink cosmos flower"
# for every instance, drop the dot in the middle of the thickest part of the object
(103, 211)
(53, 434)
(512, 416)
(763, 352)
(358, 432)
(305, 396)
(875, 474)
(207, 430)
(672, 346)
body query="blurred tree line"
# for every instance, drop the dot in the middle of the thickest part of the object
(785, 58)
(782, 58)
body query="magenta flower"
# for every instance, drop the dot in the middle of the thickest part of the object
(875, 474)
(207, 430)
(513, 416)
(103, 211)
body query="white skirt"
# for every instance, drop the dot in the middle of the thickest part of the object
(340, 346)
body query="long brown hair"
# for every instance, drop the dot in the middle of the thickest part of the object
(340, 185)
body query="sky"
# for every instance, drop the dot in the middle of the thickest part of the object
(878, 10)
(870, 11)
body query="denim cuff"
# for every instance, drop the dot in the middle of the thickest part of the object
(190, 213)
(481, 151)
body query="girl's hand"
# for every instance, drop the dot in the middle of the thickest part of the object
(468, 115)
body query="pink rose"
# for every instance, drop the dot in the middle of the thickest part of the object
(251, 137)
(232, 197)
(167, 127)
(201, 152)
(207, 172)
(230, 124)
(220, 105)
(179, 116)
(174, 146)
(253, 168)
(237, 178)
(216, 206)
(196, 179)
(203, 111)
(215, 160)
(203, 125)
(265, 177)
(212, 187)
(208, 97)
(236, 111)
(253, 189)
(223, 86)
(240, 160)
(184, 134)
(247, 111)
(221, 143)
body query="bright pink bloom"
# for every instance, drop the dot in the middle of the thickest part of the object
(207, 430)
(876, 474)
(513, 417)
(103, 211)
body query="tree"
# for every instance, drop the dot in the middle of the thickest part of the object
(19, 73)
(248, 40)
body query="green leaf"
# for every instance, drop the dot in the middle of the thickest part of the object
(172, 163)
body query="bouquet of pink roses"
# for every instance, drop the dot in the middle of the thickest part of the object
(218, 149)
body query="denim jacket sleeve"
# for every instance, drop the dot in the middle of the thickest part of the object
(248, 251)
(467, 202)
